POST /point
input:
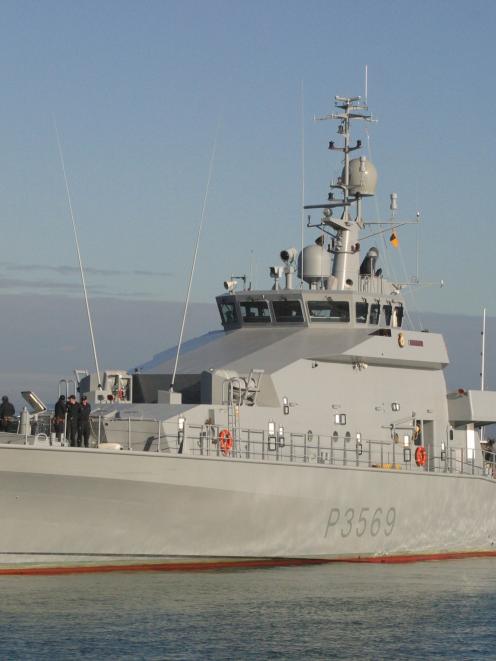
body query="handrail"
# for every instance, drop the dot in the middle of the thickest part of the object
(297, 447)
(292, 447)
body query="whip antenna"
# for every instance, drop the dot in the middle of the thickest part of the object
(83, 281)
(200, 227)
(483, 351)
(302, 220)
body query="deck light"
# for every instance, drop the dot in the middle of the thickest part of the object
(181, 422)
(271, 437)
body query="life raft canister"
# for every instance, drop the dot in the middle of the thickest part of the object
(226, 441)
(420, 456)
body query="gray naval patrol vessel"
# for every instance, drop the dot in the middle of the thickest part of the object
(316, 426)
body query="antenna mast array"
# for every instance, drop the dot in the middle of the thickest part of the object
(357, 180)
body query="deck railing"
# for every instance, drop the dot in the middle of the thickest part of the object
(162, 436)
(290, 447)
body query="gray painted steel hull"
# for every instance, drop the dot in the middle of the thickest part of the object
(77, 503)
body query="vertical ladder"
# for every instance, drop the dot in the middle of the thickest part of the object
(233, 417)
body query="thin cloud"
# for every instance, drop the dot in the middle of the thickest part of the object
(152, 273)
(74, 270)
(18, 283)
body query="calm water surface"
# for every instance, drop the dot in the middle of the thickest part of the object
(420, 611)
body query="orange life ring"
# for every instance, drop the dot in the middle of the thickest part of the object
(420, 456)
(226, 441)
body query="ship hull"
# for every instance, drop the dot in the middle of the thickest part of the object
(71, 507)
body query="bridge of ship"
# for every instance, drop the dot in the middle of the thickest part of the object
(314, 308)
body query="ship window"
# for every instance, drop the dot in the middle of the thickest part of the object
(255, 312)
(398, 315)
(228, 313)
(329, 310)
(375, 310)
(382, 332)
(388, 311)
(361, 311)
(287, 311)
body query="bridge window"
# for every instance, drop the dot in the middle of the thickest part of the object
(388, 312)
(375, 310)
(228, 312)
(333, 311)
(255, 312)
(398, 315)
(361, 312)
(287, 311)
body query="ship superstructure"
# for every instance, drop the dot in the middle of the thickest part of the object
(326, 353)
(315, 425)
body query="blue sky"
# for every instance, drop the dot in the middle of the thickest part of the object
(138, 88)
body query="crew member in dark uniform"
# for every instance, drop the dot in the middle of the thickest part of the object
(59, 417)
(84, 422)
(7, 412)
(73, 409)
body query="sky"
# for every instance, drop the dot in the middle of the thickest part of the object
(141, 92)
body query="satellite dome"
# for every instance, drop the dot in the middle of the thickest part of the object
(363, 177)
(316, 264)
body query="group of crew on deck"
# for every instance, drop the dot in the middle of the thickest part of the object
(73, 418)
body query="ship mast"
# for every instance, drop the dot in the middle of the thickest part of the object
(345, 246)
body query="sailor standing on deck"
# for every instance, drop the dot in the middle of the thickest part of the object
(7, 411)
(84, 422)
(59, 417)
(73, 409)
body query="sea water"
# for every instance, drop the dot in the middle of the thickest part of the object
(424, 610)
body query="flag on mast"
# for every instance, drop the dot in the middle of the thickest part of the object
(394, 239)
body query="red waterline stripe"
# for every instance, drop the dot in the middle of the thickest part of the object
(241, 564)
(163, 566)
(403, 559)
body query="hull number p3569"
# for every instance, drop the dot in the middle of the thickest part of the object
(359, 522)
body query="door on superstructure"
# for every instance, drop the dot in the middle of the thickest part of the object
(428, 442)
